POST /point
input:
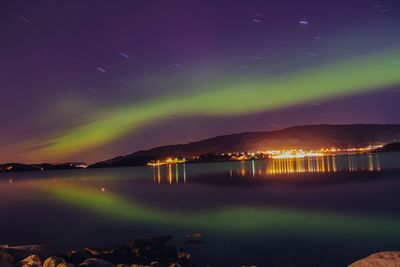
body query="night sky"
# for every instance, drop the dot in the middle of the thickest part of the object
(89, 80)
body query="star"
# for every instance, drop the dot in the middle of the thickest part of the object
(124, 55)
(123, 82)
(312, 54)
(25, 19)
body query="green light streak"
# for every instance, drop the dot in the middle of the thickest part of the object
(243, 96)
(239, 220)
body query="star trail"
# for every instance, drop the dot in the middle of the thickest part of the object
(85, 81)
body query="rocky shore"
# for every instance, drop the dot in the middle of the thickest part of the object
(154, 252)
(379, 259)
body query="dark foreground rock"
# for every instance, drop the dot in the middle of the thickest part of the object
(380, 259)
(95, 262)
(54, 262)
(31, 261)
(155, 252)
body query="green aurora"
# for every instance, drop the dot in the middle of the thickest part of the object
(253, 220)
(240, 96)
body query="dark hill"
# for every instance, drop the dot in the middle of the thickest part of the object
(20, 167)
(305, 137)
(392, 147)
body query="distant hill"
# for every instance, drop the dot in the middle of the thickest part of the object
(391, 147)
(305, 137)
(19, 167)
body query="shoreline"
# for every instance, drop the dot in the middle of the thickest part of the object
(154, 252)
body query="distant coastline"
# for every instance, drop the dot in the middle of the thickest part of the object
(354, 138)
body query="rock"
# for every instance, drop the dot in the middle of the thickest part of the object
(77, 256)
(195, 236)
(95, 262)
(155, 264)
(194, 239)
(65, 265)
(31, 261)
(118, 255)
(21, 252)
(380, 259)
(53, 261)
(93, 252)
(184, 255)
(174, 264)
(5, 264)
(6, 257)
(33, 248)
(160, 253)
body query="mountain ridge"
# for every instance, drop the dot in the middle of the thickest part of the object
(313, 136)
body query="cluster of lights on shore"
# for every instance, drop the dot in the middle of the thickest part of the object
(290, 162)
(276, 154)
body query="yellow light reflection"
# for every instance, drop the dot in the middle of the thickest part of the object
(326, 164)
(173, 172)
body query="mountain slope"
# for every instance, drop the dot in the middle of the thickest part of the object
(305, 137)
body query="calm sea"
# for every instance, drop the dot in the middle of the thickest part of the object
(323, 211)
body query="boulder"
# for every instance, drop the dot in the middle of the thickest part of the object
(6, 257)
(31, 261)
(21, 252)
(195, 236)
(156, 264)
(160, 253)
(117, 255)
(184, 255)
(380, 259)
(63, 264)
(93, 252)
(194, 239)
(5, 264)
(77, 256)
(95, 262)
(53, 261)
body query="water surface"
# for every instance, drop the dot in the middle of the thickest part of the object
(325, 211)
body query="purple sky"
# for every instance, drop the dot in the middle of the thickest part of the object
(62, 62)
